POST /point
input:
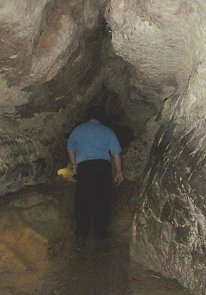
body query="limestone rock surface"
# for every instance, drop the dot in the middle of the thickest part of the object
(169, 228)
(162, 39)
(165, 42)
(56, 60)
(32, 222)
(24, 161)
(47, 55)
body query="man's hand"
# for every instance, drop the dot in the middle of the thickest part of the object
(72, 156)
(119, 178)
(74, 169)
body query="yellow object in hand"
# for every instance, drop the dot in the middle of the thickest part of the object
(67, 173)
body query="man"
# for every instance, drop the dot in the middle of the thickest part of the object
(90, 146)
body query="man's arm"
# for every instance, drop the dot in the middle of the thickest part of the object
(72, 156)
(119, 178)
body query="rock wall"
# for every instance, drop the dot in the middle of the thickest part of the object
(48, 62)
(161, 39)
(165, 42)
(56, 59)
(33, 223)
(24, 161)
(172, 205)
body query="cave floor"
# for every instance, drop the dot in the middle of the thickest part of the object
(104, 268)
(101, 268)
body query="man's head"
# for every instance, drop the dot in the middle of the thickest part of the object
(96, 113)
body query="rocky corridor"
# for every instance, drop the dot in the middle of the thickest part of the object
(143, 62)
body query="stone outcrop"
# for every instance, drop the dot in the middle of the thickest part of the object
(56, 59)
(47, 56)
(161, 39)
(172, 205)
(165, 42)
(24, 161)
(32, 223)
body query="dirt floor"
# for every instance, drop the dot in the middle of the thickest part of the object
(104, 268)
(101, 268)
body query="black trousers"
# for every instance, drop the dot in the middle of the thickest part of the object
(93, 197)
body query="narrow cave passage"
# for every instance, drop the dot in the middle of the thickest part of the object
(38, 225)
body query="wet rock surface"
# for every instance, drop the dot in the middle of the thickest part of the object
(165, 43)
(56, 60)
(170, 220)
(161, 39)
(24, 161)
(32, 222)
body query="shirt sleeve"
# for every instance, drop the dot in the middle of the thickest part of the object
(71, 145)
(115, 147)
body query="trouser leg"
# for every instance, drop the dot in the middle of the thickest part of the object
(102, 206)
(83, 208)
(101, 218)
(93, 196)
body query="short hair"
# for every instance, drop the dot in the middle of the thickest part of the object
(96, 113)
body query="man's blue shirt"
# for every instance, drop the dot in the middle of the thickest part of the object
(93, 140)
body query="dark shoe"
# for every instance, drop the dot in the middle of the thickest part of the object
(80, 243)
